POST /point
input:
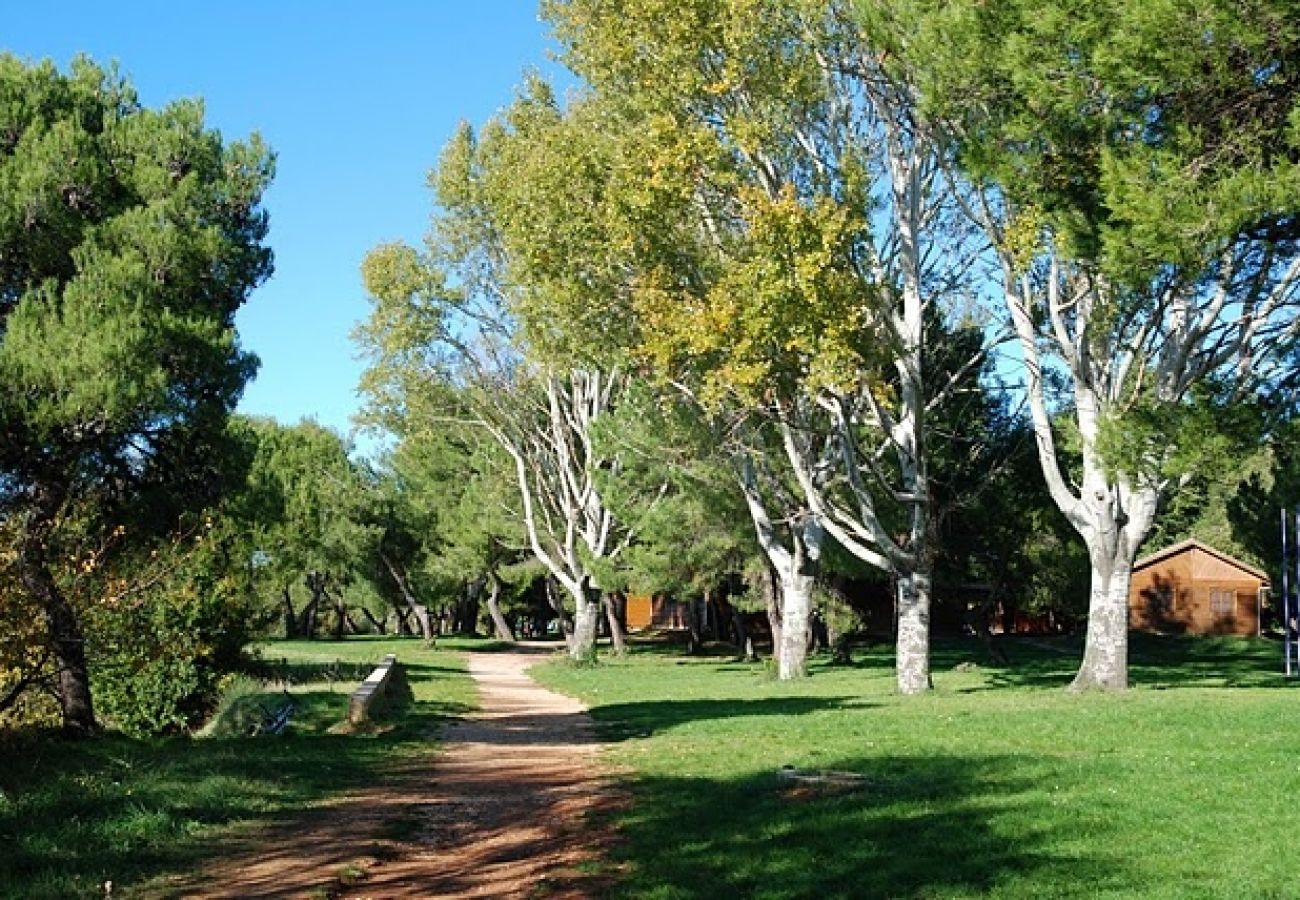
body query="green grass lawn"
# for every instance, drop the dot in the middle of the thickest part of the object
(74, 814)
(996, 784)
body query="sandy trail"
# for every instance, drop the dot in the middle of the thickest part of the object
(503, 811)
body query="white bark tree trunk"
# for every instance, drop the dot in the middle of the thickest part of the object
(586, 619)
(1105, 651)
(912, 668)
(796, 613)
(1117, 530)
(795, 563)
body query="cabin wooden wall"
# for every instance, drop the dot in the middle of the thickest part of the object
(1194, 592)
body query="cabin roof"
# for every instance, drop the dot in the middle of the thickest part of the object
(1193, 544)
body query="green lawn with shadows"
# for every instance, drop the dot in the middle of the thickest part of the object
(998, 784)
(74, 814)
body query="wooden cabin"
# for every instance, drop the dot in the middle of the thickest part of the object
(1192, 588)
(644, 611)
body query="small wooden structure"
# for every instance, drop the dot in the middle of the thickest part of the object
(1192, 588)
(645, 611)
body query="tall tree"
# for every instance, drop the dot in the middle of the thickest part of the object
(128, 239)
(309, 506)
(454, 355)
(1140, 167)
(754, 210)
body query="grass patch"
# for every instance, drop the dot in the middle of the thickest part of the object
(74, 814)
(998, 784)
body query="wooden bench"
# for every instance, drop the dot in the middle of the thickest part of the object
(371, 690)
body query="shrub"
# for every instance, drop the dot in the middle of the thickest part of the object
(161, 640)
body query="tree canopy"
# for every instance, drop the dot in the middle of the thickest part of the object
(128, 239)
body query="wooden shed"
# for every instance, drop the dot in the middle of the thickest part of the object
(645, 611)
(1192, 588)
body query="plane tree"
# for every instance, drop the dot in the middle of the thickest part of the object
(752, 214)
(446, 345)
(1139, 182)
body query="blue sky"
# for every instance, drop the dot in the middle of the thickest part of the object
(356, 98)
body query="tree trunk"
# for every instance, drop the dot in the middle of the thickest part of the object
(374, 622)
(1105, 649)
(694, 639)
(66, 638)
(315, 583)
(794, 558)
(819, 637)
(420, 611)
(582, 643)
(290, 617)
(796, 608)
(718, 622)
(617, 635)
(744, 641)
(553, 598)
(770, 587)
(913, 644)
(499, 623)
(340, 616)
(467, 610)
(1113, 524)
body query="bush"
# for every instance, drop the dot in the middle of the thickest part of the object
(161, 642)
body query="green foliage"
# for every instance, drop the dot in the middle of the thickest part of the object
(306, 507)
(677, 491)
(138, 227)
(1148, 134)
(129, 237)
(166, 628)
(677, 214)
(1209, 432)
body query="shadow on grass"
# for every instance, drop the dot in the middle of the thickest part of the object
(1169, 661)
(917, 827)
(1156, 661)
(675, 643)
(280, 670)
(623, 721)
(74, 814)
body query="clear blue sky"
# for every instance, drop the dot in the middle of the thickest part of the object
(356, 98)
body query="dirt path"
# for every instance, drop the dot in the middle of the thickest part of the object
(502, 811)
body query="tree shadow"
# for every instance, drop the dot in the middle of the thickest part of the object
(915, 827)
(74, 814)
(278, 670)
(1170, 661)
(624, 721)
(628, 721)
(1155, 661)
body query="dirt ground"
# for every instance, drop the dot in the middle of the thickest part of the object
(504, 810)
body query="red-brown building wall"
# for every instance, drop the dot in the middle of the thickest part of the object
(1194, 592)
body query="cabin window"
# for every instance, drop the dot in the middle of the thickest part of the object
(1223, 602)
